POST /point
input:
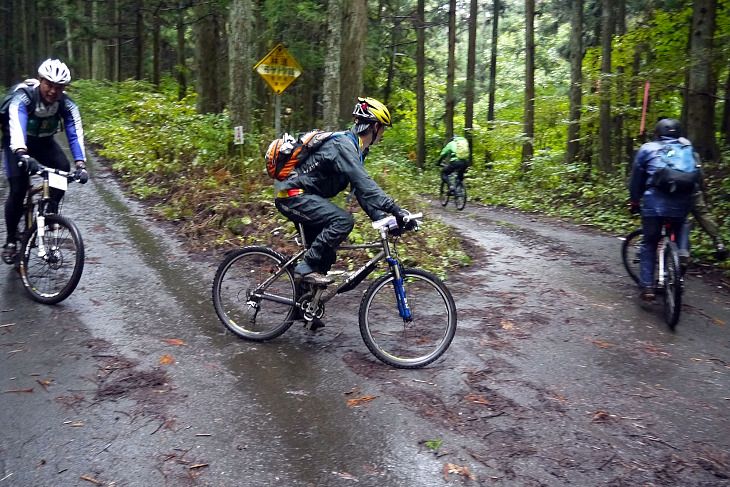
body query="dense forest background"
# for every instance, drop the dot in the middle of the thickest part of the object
(555, 95)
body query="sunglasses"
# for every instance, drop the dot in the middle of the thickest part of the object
(55, 86)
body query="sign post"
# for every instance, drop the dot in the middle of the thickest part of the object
(279, 69)
(239, 137)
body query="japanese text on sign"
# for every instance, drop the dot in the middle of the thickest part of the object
(278, 68)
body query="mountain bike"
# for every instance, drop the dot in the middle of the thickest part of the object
(458, 194)
(669, 273)
(50, 258)
(407, 316)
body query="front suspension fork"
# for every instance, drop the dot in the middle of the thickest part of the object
(400, 291)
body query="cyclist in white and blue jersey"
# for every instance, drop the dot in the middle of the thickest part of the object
(30, 117)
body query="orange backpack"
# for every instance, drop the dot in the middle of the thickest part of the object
(286, 153)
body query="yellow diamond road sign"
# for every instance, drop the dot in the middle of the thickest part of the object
(278, 68)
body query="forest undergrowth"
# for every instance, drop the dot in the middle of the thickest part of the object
(184, 166)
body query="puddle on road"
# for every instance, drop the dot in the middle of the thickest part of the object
(295, 397)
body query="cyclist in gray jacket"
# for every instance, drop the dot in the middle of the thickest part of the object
(304, 196)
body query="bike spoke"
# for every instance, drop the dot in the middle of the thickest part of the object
(411, 342)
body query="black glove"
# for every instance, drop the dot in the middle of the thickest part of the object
(720, 251)
(634, 207)
(80, 175)
(403, 219)
(31, 165)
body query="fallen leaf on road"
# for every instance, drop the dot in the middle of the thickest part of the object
(507, 325)
(44, 383)
(602, 344)
(174, 341)
(91, 479)
(167, 360)
(359, 401)
(346, 476)
(457, 469)
(600, 416)
(476, 398)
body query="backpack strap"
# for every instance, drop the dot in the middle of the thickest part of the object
(356, 142)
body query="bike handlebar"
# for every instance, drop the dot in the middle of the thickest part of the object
(70, 175)
(390, 223)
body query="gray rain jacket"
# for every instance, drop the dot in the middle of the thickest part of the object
(337, 163)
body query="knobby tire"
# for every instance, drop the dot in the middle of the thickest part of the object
(673, 284)
(250, 317)
(460, 195)
(630, 252)
(401, 343)
(52, 278)
(444, 193)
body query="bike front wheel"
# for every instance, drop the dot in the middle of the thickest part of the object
(673, 284)
(444, 193)
(460, 195)
(51, 265)
(244, 303)
(631, 252)
(416, 341)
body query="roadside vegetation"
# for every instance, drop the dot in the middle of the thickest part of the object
(183, 164)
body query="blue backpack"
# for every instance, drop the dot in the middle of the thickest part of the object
(677, 171)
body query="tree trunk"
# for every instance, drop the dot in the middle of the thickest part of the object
(576, 81)
(419, 24)
(240, 60)
(70, 58)
(139, 41)
(493, 63)
(471, 58)
(354, 34)
(395, 38)
(701, 102)
(331, 91)
(98, 45)
(156, 46)
(621, 99)
(181, 68)
(726, 111)
(117, 49)
(529, 113)
(206, 56)
(450, 72)
(607, 23)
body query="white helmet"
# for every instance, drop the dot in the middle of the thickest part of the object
(55, 71)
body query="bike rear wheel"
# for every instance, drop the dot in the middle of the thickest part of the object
(51, 272)
(673, 284)
(630, 254)
(444, 193)
(460, 195)
(261, 316)
(412, 343)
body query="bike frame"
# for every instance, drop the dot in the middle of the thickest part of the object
(667, 236)
(35, 209)
(352, 281)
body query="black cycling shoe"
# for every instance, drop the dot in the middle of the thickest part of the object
(317, 279)
(314, 325)
(10, 251)
(647, 294)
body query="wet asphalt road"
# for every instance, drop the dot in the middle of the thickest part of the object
(556, 377)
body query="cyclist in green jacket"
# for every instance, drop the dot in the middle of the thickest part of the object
(454, 157)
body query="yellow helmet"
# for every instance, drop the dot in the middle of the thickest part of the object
(371, 110)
